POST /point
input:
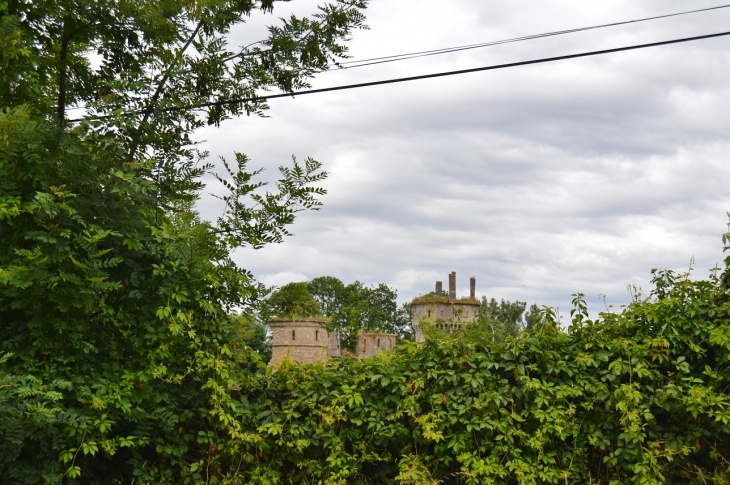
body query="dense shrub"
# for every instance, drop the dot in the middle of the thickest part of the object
(639, 396)
(116, 298)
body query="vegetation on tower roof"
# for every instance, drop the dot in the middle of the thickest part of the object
(434, 298)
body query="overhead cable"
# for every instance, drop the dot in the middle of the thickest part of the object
(412, 55)
(446, 50)
(424, 76)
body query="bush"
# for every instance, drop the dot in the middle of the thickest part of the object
(634, 397)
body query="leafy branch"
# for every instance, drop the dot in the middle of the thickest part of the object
(267, 219)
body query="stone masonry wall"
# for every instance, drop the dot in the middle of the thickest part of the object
(369, 344)
(333, 345)
(303, 340)
(446, 313)
(448, 316)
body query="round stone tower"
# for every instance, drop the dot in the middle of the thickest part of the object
(446, 313)
(304, 340)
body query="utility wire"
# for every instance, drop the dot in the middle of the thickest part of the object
(425, 76)
(447, 50)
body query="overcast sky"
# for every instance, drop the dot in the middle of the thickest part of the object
(540, 181)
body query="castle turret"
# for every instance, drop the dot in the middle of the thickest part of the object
(445, 313)
(304, 340)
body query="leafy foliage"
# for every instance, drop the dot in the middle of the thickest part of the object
(26, 405)
(116, 300)
(357, 308)
(266, 221)
(506, 318)
(249, 331)
(291, 301)
(634, 397)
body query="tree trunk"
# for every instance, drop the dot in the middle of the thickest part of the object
(62, 74)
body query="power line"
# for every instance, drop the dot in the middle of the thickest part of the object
(447, 50)
(428, 76)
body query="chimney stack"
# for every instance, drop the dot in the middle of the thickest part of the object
(473, 288)
(452, 286)
(439, 289)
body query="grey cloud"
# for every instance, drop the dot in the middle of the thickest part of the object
(540, 181)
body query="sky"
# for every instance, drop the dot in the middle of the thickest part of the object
(540, 181)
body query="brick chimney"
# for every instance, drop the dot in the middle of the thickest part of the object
(452, 286)
(439, 289)
(473, 288)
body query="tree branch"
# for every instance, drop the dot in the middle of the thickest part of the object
(63, 69)
(159, 90)
(62, 75)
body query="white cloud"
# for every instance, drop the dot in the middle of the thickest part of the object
(282, 278)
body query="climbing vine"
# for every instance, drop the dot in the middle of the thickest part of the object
(639, 396)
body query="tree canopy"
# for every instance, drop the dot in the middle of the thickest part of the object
(506, 318)
(291, 301)
(116, 300)
(357, 308)
(249, 331)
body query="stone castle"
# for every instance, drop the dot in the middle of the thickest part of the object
(306, 340)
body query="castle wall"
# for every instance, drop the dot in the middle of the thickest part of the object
(445, 315)
(333, 349)
(303, 340)
(370, 344)
(456, 311)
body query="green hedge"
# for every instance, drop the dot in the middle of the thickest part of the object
(639, 396)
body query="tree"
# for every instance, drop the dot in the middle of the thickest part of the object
(114, 294)
(506, 318)
(291, 301)
(249, 331)
(357, 308)
(329, 292)
(532, 317)
(379, 311)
